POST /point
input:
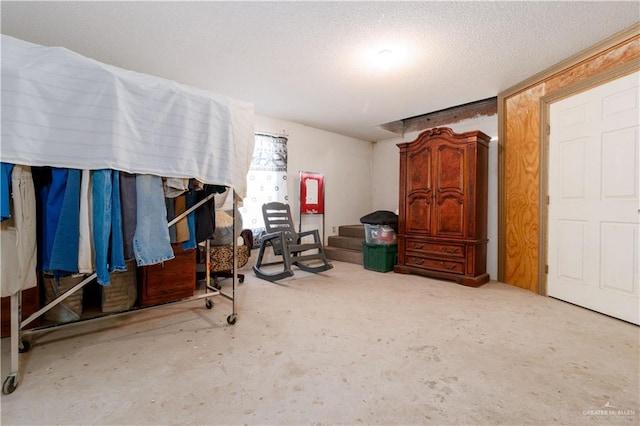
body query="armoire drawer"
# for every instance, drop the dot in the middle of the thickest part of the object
(436, 264)
(454, 250)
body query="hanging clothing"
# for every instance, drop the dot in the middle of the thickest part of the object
(65, 196)
(190, 198)
(58, 216)
(179, 231)
(206, 214)
(5, 194)
(174, 187)
(86, 254)
(128, 205)
(107, 224)
(182, 226)
(171, 214)
(151, 242)
(18, 249)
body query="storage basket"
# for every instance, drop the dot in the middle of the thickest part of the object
(379, 257)
(122, 293)
(70, 308)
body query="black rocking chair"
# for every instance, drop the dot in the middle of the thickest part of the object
(287, 243)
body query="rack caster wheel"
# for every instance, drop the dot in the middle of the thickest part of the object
(208, 304)
(24, 346)
(231, 319)
(10, 384)
(241, 280)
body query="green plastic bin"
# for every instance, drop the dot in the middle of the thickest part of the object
(379, 257)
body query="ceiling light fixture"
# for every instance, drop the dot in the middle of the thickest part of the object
(386, 58)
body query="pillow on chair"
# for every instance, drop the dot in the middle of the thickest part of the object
(223, 234)
(221, 257)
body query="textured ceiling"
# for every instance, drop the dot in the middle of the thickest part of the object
(307, 61)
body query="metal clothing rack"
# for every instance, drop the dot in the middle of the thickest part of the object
(20, 346)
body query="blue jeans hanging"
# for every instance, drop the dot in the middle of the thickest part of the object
(107, 224)
(63, 221)
(151, 242)
(191, 221)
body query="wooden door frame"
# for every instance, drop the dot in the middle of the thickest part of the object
(545, 123)
(584, 56)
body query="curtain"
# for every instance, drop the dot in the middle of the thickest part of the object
(266, 181)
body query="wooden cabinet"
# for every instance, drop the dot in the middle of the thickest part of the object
(171, 280)
(442, 223)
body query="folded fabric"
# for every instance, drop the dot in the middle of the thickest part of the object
(174, 187)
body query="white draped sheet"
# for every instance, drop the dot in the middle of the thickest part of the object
(64, 110)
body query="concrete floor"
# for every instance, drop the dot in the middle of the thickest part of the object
(348, 346)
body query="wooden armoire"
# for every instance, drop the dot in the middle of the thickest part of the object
(442, 221)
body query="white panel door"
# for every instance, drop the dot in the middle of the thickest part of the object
(594, 202)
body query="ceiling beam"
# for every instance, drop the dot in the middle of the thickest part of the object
(446, 116)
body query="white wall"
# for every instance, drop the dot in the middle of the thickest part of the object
(386, 172)
(344, 161)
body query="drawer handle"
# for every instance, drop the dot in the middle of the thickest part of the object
(448, 267)
(450, 250)
(418, 246)
(419, 261)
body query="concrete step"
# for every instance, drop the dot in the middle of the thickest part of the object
(355, 231)
(347, 245)
(344, 255)
(351, 243)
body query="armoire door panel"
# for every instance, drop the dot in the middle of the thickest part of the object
(418, 212)
(450, 169)
(450, 216)
(418, 163)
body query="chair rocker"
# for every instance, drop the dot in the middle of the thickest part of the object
(287, 243)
